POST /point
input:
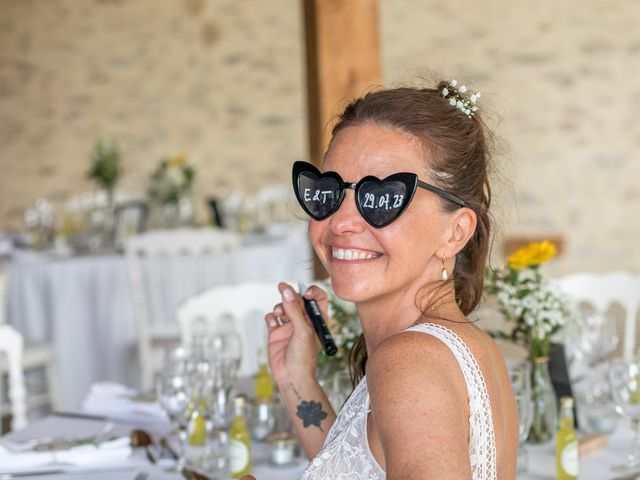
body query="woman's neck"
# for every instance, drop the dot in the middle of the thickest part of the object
(384, 317)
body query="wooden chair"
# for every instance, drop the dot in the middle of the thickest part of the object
(601, 291)
(11, 350)
(165, 267)
(245, 305)
(33, 357)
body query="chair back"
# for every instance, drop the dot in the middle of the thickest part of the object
(164, 268)
(245, 305)
(601, 291)
(11, 351)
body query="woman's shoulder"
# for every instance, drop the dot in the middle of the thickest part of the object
(435, 353)
(410, 359)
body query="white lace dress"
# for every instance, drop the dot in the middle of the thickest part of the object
(345, 454)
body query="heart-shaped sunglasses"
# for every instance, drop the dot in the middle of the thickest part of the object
(380, 202)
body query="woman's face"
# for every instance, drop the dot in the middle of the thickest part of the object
(366, 263)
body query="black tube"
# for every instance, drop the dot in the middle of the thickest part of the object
(319, 325)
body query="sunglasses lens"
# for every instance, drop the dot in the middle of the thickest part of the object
(318, 195)
(382, 201)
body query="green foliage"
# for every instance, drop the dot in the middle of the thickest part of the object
(345, 329)
(106, 167)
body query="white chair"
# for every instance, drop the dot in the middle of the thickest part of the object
(33, 358)
(601, 291)
(166, 267)
(246, 304)
(11, 349)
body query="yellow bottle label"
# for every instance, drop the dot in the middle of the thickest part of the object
(239, 458)
(569, 460)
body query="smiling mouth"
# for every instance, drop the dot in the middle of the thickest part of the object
(351, 254)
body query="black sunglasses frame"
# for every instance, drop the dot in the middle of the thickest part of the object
(410, 180)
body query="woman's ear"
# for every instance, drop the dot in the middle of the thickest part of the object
(462, 227)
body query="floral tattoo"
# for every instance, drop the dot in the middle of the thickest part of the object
(309, 412)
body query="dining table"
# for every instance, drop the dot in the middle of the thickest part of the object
(83, 305)
(597, 465)
(134, 464)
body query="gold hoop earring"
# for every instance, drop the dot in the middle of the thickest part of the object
(445, 273)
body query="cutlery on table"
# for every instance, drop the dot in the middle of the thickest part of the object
(60, 471)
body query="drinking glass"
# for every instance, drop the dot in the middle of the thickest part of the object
(226, 348)
(206, 380)
(589, 341)
(603, 337)
(171, 389)
(624, 378)
(595, 407)
(520, 376)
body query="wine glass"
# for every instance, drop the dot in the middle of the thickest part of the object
(171, 389)
(520, 376)
(226, 348)
(624, 378)
(603, 338)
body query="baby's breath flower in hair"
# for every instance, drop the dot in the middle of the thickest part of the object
(461, 97)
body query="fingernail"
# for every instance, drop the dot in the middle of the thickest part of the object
(272, 323)
(288, 295)
(278, 311)
(306, 292)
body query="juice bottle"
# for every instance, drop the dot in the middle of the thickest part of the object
(240, 440)
(566, 443)
(263, 381)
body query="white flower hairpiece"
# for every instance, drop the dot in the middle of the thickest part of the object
(461, 98)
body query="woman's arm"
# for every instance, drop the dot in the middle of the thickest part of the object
(419, 408)
(310, 412)
(293, 349)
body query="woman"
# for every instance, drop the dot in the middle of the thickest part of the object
(410, 251)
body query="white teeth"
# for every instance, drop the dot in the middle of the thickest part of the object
(350, 254)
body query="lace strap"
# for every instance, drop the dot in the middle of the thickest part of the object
(482, 446)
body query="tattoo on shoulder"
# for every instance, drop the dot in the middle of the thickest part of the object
(309, 412)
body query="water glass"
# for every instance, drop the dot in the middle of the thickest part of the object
(624, 379)
(262, 419)
(171, 389)
(595, 407)
(520, 377)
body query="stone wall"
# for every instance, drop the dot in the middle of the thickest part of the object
(223, 81)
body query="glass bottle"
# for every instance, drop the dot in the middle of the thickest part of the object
(543, 400)
(263, 380)
(196, 428)
(240, 452)
(566, 443)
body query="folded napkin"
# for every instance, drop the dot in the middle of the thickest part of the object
(117, 401)
(109, 452)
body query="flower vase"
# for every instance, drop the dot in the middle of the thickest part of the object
(543, 403)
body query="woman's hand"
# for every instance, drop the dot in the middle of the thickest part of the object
(293, 344)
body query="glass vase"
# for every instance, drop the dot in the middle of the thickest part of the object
(543, 403)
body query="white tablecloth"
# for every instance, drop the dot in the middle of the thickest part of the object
(69, 427)
(84, 306)
(595, 466)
